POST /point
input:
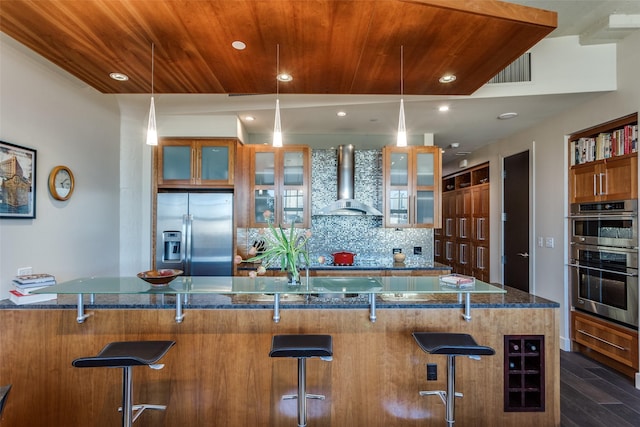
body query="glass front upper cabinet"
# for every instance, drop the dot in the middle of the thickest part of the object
(183, 162)
(281, 185)
(412, 186)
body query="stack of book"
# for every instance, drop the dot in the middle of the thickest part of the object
(24, 286)
(457, 280)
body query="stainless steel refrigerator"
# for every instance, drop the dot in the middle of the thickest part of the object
(194, 233)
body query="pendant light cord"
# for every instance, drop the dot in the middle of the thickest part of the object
(152, 65)
(277, 70)
(401, 70)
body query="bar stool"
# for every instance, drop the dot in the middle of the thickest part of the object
(451, 345)
(302, 347)
(126, 355)
(4, 393)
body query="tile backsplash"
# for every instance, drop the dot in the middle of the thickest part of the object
(364, 235)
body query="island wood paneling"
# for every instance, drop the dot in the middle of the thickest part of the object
(219, 372)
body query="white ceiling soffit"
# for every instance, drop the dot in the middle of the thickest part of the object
(610, 29)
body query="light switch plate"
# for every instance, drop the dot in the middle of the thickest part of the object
(540, 242)
(548, 242)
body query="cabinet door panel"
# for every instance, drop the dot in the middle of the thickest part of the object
(399, 173)
(620, 179)
(399, 207)
(264, 200)
(293, 206)
(214, 163)
(176, 163)
(264, 169)
(583, 180)
(425, 170)
(425, 207)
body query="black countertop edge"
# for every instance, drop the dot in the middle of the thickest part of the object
(512, 299)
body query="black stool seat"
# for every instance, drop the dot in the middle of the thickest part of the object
(301, 346)
(451, 344)
(127, 355)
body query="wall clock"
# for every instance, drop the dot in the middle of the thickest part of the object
(61, 183)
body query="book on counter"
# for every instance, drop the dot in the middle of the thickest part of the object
(19, 298)
(34, 280)
(457, 280)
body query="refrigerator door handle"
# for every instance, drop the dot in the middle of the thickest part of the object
(186, 237)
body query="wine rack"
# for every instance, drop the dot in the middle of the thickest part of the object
(524, 373)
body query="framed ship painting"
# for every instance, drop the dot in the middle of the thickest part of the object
(17, 181)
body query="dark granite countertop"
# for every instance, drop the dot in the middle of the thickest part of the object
(378, 265)
(514, 298)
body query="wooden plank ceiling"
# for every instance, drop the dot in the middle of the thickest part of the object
(329, 46)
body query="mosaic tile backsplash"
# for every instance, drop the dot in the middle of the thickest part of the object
(364, 235)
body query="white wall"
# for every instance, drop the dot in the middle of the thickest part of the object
(68, 124)
(549, 172)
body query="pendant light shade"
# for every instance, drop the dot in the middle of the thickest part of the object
(402, 128)
(277, 127)
(277, 131)
(152, 132)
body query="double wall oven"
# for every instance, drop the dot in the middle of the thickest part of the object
(604, 259)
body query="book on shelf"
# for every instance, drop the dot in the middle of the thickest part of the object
(607, 144)
(457, 280)
(20, 299)
(30, 280)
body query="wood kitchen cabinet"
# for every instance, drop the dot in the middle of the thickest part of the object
(280, 182)
(465, 218)
(412, 178)
(195, 162)
(607, 342)
(604, 162)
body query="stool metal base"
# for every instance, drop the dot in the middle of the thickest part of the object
(448, 397)
(302, 385)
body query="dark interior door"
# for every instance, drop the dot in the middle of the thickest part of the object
(516, 221)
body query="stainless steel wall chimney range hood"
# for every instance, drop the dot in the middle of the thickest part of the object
(346, 204)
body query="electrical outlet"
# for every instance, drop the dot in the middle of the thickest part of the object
(548, 242)
(397, 251)
(417, 250)
(24, 270)
(432, 372)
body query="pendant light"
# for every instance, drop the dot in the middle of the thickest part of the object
(277, 128)
(402, 128)
(152, 132)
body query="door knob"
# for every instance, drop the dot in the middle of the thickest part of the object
(523, 255)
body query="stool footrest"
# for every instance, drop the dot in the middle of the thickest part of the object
(139, 409)
(307, 395)
(441, 393)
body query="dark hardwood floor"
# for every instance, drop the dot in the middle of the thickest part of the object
(593, 395)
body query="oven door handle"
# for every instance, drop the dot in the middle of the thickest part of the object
(622, 216)
(604, 270)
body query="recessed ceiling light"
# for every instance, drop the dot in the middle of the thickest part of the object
(239, 45)
(341, 113)
(284, 77)
(505, 116)
(447, 79)
(249, 118)
(443, 108)
(119, 77)
(454, 145)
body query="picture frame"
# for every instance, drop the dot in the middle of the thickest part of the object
(17, 181)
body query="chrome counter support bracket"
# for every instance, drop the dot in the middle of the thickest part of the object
(179, 313)
(82, 316)
(276, 308)
(467, 307)
(372, 310)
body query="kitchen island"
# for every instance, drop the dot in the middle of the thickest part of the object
(219, 372)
